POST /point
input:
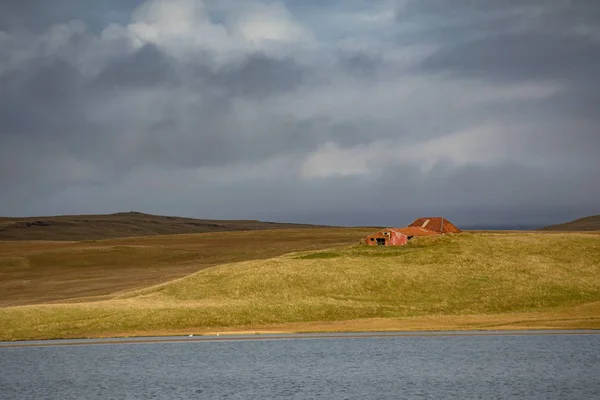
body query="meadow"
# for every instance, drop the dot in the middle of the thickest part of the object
(34, 272)
(308, 282)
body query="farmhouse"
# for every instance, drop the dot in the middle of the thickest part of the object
(427, 226)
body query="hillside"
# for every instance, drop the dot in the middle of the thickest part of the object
(583, 224)
(468, 281)
(44, 271)
(91, 227)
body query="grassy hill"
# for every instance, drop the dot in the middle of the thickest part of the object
(467, 281)
(88, 227)
(583, 224)
(44, 271)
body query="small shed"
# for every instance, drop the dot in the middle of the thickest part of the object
(387, 237)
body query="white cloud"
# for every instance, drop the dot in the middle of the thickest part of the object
(262, 24)
(178, 26)
(331, 160)
(184, 27)
(484, 145)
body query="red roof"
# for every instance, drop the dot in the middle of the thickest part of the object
(436, 224)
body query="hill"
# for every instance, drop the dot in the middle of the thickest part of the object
(467, 281)
(93, 227)
(34, 272)
(583, 224)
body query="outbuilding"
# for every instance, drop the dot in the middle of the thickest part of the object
(387, 237)
(426, 226)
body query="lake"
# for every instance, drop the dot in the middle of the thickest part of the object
(355, 366)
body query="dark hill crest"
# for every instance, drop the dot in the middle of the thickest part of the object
(125, 224)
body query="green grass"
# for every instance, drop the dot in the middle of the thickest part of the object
(460, 275)
(319, 255)
(39, 272)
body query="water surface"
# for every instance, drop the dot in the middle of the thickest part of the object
(463, 366)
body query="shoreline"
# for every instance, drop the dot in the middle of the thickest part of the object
(256, 336)
(487, 324)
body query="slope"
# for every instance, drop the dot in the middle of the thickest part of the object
(33, 272)
(88, 227)
(591, 223)
(468, 281)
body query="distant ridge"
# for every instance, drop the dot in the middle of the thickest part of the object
(591, 223)
(125, 224)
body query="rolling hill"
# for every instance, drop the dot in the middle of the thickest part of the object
(129, 224)
(468, 281)
(34, 272)
(591, 223)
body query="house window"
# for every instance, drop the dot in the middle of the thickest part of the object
(372, 239)
(380, 241)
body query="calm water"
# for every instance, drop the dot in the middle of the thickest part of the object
(428, 367)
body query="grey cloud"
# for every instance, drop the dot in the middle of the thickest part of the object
(254, 75)
(52, 98)
(43, 99)
(146, 67)
(519, 196)
(361, 64)
(260, 75)
(463, 21)
(98, 125)
(521, 56)
(567, 11)
(39, 15)
(539, 43)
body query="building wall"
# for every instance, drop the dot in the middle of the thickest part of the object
(392, 239)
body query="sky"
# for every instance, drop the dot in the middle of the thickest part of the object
(336, 112)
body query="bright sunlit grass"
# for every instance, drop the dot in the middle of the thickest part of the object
(450, 276)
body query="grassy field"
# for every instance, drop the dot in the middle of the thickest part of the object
(33, 272)
(467, 281)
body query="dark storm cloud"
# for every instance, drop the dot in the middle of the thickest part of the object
(561, 13)
(199, 135)
(260, 75)
(44, 99)
(557, 42)
(146, 67)
(51, 98)
(536, 23)
(522, 56)
(194, 115)
(360, 63)
(254, 75)
(465, 22)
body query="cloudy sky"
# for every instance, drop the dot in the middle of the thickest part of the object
(346, 112)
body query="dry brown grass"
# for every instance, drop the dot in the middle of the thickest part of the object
(33, 272)
(468, 281)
